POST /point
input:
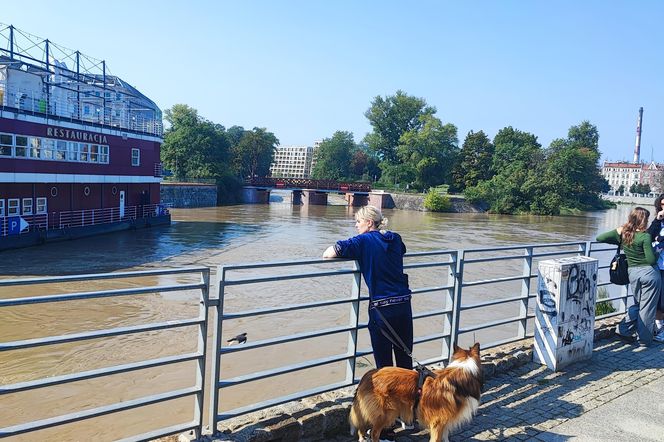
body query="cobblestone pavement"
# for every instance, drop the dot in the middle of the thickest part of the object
(528, 402)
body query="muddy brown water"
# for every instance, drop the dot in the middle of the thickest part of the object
(221, 236)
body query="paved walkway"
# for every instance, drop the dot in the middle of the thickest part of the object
(615, 396)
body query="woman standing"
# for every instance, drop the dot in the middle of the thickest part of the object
(656, 231)
(644, 276)
(380, 254)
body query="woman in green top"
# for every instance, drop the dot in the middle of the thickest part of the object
(644, 278)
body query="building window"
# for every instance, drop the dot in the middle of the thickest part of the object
(12, 207)
(135, 157)
(27, 206)
(41, 205)
(2, 208)
(21, 146)
(6, 144)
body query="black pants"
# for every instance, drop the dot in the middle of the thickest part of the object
(400, 318)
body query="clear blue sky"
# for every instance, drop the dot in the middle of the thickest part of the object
(304, 69)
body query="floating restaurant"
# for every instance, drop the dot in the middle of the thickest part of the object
(79, 147)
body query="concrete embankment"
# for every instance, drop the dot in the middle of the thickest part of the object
(325, 417)
(404, 201)
(189, 194)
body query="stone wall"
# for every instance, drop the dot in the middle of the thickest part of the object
(189, 194)
(325, 416)
(404, 201)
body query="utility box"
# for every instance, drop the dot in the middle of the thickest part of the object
(565, 312)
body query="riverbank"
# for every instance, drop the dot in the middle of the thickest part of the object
(406, 201)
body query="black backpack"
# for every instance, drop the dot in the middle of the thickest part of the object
(618, 269)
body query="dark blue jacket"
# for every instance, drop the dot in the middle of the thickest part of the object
(381, 261)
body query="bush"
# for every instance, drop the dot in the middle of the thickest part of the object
(229, 189)
(436, 202)
(603, 308)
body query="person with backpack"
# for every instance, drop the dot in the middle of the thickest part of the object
(644, 276)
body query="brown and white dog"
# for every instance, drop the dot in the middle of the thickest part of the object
(448, 399)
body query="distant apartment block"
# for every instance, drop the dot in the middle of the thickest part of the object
(294, 161)
(625, 174)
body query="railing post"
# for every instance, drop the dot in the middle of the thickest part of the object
(525, 292)
(215, 368)
(456, 302)
(587, 246)
(446, 349)
(202, 349)
(354, 322)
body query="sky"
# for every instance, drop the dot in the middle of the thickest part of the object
(307, 68)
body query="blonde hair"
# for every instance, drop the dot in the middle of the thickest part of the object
(636, 221)
(372, 214)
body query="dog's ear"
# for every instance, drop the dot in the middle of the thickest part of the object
(456, 348)
(475, 348)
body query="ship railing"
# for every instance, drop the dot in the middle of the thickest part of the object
(89, 110)
(91, 217)
(35, 222)
(105, 347)
(325, 306)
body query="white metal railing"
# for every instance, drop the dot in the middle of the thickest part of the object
(91, 217)
(86, 109)
(457, 282)
(199, 282)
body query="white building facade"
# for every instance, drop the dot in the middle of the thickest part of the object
(625, 174)
(292, 162)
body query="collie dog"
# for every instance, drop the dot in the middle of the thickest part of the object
(448, 398)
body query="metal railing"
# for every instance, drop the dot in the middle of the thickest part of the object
(118, 115)
(447, 285)
(200, 284)
(91, 217)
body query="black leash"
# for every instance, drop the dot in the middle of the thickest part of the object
(422, 372)
(399, 343)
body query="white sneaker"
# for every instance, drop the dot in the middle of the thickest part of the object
(659, 336)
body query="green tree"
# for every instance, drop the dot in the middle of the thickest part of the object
(390, 118)
(475, 162)
(621, 189)
(254, 152)
(430, 150)
(516, 186)
(193, 147)
(572, 167)
(334, 157)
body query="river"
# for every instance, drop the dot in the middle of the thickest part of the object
(211, 237)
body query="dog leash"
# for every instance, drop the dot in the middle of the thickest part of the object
(403, 347)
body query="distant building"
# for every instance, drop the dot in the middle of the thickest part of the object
(625, 174)
(292, 162)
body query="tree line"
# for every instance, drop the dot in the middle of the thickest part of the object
(409, 146)
(196, 148)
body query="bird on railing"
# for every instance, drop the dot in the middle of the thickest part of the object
(240, 339)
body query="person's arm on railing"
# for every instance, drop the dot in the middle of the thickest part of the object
(330, 252)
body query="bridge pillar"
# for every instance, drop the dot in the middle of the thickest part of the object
(255, 195)
(314, 197)
(381, 200)
(357, 199)
(296, 197)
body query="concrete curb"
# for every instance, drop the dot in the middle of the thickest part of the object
(325, 416)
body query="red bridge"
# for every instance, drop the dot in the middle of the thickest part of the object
(306, 191)
(305, 183)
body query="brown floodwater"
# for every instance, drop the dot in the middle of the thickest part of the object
(216, 236)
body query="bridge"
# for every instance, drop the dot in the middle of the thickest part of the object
(310, 191)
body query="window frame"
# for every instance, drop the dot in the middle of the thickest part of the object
(16, 209)
(30, 206)
(135, 156)
(41, 201)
